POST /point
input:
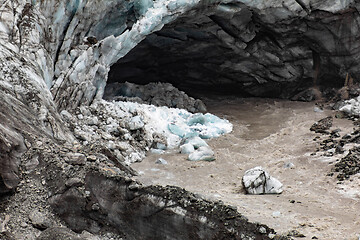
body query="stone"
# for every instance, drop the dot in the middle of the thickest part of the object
(258, 181)
(289, 165)
(74, 182)
(39, 219)
(59, 233)
(91, 158)
(32, 163)
(161, 161)
(75, 158)
(322, 125)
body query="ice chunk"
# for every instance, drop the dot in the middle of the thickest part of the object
(135, 123)
(141, 6)
(202, 154)
(346, 108)
(197, 118)
(175, 129)
(157, 151)
(196, 142)
(187, 148)
(161, 146)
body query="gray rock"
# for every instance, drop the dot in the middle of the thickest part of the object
(59, 233)
(258, 181)
(75, 158)
(32, 163)
(39, 220)
(158, 94)
(74, 182)
(161, 161)
(289, 165)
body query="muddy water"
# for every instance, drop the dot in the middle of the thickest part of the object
(271, 134)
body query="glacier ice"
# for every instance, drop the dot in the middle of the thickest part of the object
(187, 148)
(196, 142)
(202, 154)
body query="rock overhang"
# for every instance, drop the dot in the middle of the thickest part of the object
(249, 49)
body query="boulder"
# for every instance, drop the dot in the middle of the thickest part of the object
(258, 181)
(202, 154)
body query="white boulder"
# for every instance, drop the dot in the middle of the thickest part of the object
(202, 154)
(258, 181)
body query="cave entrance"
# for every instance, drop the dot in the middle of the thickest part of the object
(189, 53)
(213, 54)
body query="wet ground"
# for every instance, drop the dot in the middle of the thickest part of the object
(273, 134)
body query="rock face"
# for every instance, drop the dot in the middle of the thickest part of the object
(256, 48)
(258, 181)
(151, 212)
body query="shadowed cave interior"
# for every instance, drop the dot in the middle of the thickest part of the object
(213, 54)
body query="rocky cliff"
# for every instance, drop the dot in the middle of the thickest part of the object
(56, 56)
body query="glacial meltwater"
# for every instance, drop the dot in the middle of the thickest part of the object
(273, 134)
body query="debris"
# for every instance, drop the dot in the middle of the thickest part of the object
(322, 125)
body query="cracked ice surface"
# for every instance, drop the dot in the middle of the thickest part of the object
(172, 123)
(129, 129)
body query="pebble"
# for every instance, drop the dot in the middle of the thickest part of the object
(91, 158)
(75, 158)
(161, 161)
(289, 165)
(262, 230)
(23, 224)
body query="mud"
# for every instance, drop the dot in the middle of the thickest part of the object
(273, 134)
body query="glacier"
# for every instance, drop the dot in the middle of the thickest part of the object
(66, 151)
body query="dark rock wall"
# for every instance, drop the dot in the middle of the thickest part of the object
(151, 212)
(248, 52)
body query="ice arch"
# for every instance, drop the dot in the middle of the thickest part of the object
(263, 49)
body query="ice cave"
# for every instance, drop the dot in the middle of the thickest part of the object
(179, 119)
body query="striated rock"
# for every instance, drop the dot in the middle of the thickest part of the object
(151, 212)
(59, 233)
(258, 181)
(258, 48)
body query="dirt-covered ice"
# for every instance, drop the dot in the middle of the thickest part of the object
(273, 134)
